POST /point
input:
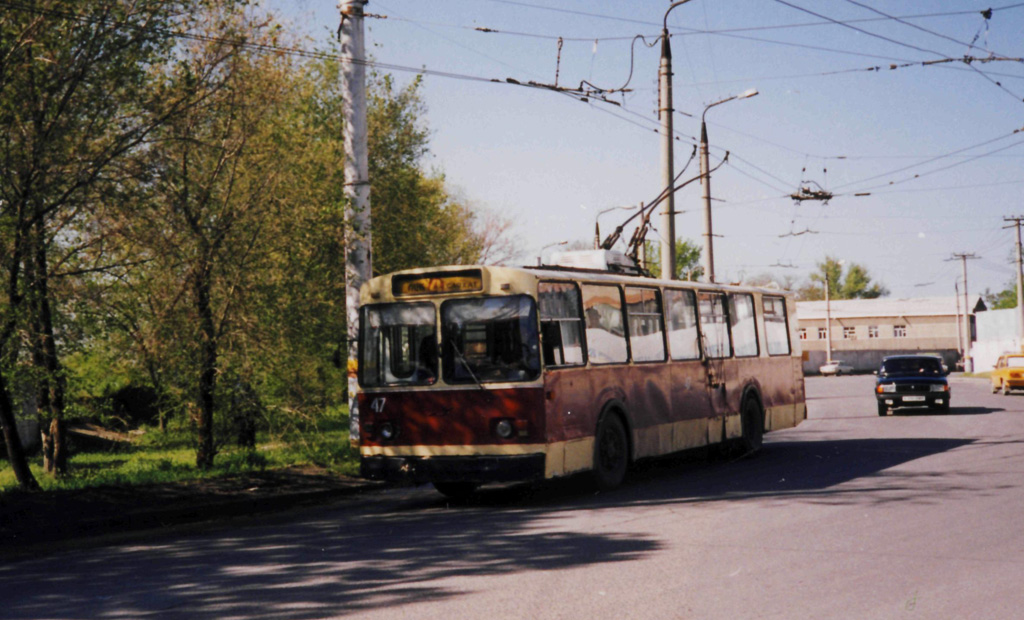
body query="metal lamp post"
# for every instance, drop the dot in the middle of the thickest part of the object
(705, 177)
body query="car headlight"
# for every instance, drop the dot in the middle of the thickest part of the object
(887, 388)
(939, 387)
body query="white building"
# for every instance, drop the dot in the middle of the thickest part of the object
(866, 330)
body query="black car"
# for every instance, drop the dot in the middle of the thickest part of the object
(912, 381)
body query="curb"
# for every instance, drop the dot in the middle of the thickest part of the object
(27, 537)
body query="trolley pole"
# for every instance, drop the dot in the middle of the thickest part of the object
(968, 362)
(357, 188)
(1020, 281)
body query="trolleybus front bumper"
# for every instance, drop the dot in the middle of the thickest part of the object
(479, 469)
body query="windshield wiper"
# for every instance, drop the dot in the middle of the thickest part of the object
(462, 358)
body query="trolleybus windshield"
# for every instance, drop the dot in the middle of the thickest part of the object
(488, 339)
(399, 345)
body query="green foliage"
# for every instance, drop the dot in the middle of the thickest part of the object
(158, 458)
(856, 284)
(688, 258)
(1006, 298)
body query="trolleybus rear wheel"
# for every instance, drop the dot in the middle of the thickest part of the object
(753, 426)
(611, 452)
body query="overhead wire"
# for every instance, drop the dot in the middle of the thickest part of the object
(916, 27)
(893, 41)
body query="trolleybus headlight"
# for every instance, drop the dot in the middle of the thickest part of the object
(388, 430)
(503, 428)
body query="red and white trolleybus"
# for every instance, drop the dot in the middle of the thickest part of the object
(470, 375)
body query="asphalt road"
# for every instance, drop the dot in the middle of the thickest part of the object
(847, 516)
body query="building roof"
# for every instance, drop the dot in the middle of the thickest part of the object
(887, 307)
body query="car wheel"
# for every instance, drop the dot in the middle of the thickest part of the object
(611, 452)
(1006, 389)
(995, 388)
(753, 426)
(883, 409)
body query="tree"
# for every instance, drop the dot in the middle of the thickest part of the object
(72, 80)
(417, 222)
(785, 282)
(688, 265)
(212, 213)
(856, 284)
(1006, 298)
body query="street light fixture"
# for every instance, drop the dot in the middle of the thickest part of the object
(708, 254)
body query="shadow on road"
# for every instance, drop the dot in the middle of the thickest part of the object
(922, 411)
(394, 549)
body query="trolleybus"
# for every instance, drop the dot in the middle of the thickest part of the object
(478, 374)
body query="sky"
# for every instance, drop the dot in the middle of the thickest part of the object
(932, 145)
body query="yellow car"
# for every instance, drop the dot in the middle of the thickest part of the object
(1008, 374)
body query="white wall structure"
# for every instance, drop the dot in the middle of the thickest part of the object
(998, 333)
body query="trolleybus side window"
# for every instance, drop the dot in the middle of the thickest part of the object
(561, 324)
(646, 329)
(490, 339)
(398, 345)
(606, 339)
(776, 328)
(713, 325)
(744, 327)
(683, 338)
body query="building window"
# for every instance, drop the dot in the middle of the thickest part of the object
(850, 333)
(899, 331)
(822, 333)
(803, 333)
(872, 331)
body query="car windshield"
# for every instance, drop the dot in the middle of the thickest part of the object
(490, 339)
(912, 366)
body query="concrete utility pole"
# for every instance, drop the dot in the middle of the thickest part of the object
(968, 362)
(959, 329)
(668, 215)
(708, 254)
(1020, 282)
(828, 321)
(357, 188)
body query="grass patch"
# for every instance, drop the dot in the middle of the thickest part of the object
(162, 457)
